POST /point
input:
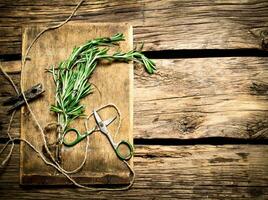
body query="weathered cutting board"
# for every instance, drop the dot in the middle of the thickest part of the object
(115, 83)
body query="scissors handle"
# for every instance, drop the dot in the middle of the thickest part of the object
(130, 148)
(78, 138)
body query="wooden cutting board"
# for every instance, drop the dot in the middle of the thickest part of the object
(115, 85)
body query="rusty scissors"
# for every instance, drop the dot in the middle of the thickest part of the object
(102, 127)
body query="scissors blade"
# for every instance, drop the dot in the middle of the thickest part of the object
(101, 125)
(109, 121)
(97, 117)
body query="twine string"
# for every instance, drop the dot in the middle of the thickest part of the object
(54, 163)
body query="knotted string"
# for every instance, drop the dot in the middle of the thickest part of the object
(54, 163)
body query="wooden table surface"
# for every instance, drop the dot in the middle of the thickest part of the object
(200, 122)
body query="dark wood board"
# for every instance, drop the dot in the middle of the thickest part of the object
(171, 172)
(162, 25)
(102, 165)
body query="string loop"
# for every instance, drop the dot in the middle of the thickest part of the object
(53, 162)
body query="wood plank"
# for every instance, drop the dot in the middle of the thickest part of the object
(162, 25)
(7, 91)
(204, 97)
(195, 98)
(102, 166)
(172, 172)
(13, 66)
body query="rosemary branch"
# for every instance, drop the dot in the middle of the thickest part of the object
(72, 75)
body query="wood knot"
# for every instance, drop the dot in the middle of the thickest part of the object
(188, 124)
(261, 35)
(258, 128)
(264, 43)
(264, 39)
(259, 88)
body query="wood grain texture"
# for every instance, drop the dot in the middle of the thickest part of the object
(206, 97)
(169, 172)
(193, 98)
(102, 166)
(11, 66)
(162, 25)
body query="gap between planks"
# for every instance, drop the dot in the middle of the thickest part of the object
(176, 54)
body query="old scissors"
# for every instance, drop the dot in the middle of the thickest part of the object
(80, 136)
(103, 129)
(30, 94)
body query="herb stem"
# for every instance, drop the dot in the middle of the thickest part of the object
(72, 75)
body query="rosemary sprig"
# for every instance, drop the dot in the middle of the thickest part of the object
(71, 76)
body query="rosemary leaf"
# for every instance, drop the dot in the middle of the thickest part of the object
(72, 76)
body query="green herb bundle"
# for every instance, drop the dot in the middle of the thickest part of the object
(72, 75)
